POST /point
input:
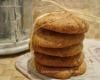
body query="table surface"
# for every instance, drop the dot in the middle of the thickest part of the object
(8, 70)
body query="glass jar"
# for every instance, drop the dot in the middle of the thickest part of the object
(15, 25)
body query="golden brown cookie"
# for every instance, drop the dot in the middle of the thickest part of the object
(51, 39)
(60, 52)
(53, 61)
(60, 73)
(80, 70)
(62, 22)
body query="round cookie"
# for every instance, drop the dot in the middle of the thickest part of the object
(51, 39)
(62, 22)
(60, 52)
(80, 70)
(60, 73)
(53, 61)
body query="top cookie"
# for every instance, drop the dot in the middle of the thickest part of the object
(63, 22)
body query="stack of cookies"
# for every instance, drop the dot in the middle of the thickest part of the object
(57, 43)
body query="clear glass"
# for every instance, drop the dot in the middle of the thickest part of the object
(15, 22)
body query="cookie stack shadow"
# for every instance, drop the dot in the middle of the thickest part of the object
(58, 44)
